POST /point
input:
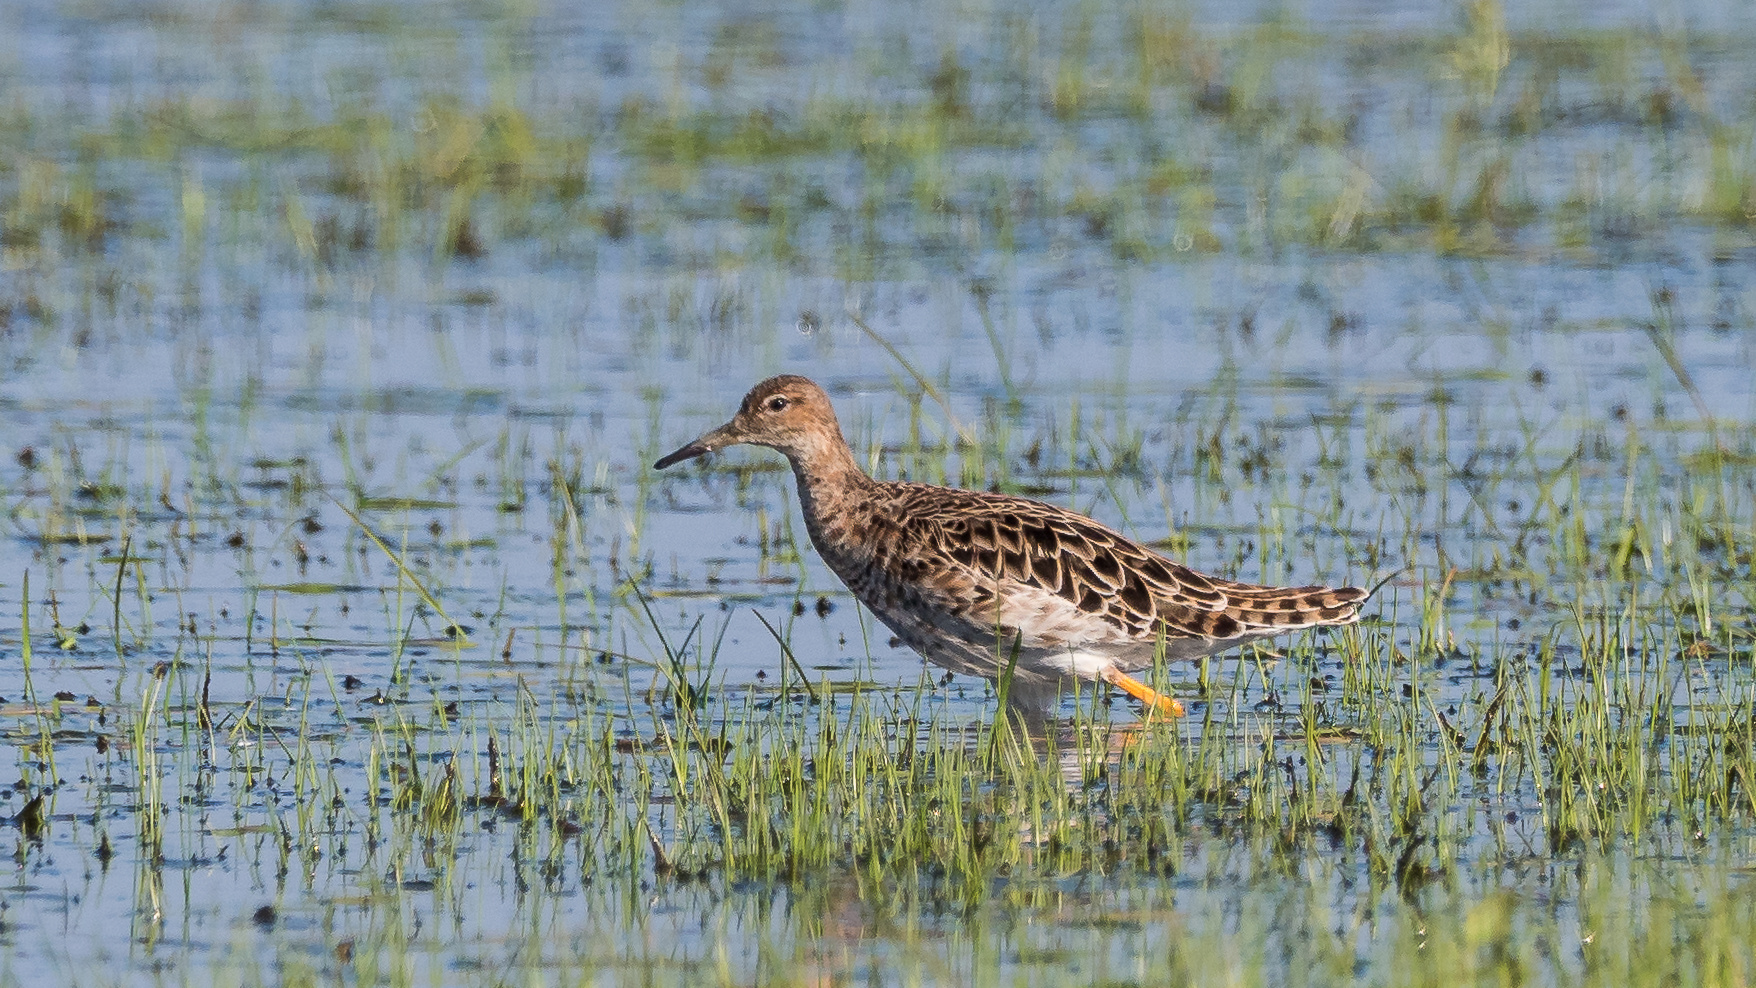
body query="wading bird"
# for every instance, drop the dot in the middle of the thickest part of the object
(1006, 587)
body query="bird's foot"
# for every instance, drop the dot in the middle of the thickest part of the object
(1155, 701)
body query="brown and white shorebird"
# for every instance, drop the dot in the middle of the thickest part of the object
(980, 582)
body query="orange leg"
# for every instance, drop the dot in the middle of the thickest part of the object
(1155, 701)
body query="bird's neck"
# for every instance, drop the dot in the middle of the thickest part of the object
(832, 488)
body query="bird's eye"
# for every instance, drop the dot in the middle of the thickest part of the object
(778, 403)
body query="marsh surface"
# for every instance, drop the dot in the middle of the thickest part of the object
(349, 637)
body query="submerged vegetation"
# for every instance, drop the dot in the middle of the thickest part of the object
(1138, 130)
(351, 639)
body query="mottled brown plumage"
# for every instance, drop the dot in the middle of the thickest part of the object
(967, 578)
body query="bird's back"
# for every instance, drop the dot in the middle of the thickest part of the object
(987, 561)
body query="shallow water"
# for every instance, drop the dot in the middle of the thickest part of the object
(272, 275)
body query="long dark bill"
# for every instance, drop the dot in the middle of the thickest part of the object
(688, 452)
(700, 447)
